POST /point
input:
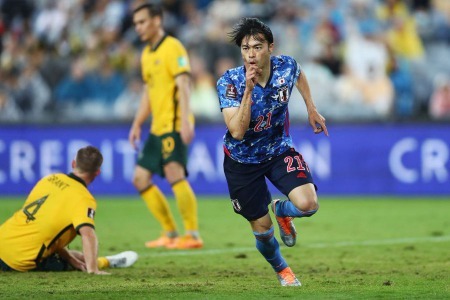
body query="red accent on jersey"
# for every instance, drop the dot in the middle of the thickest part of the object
(301, 175)
(226, 151)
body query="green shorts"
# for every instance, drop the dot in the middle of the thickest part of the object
(162, 149)
(52, 263)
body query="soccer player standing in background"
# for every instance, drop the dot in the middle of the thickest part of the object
(254, 100)
(165, 70)
(57, 209)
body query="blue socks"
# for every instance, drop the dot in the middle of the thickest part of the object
(268, 246)
(286, 208)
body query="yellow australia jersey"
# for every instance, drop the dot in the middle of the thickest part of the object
(160, 66)
(49, 220)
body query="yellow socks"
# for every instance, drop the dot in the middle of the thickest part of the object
(157, 204)
(102, 262)
(187, 205)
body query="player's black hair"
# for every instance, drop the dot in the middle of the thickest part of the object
(89, 159)
(250, 27)
(152, 8)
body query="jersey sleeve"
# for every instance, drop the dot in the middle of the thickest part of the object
(179, 60)
(296, 69)
(143, 61)
(227, 93)
(83, 213)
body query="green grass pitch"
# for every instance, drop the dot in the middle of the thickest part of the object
(353, 248)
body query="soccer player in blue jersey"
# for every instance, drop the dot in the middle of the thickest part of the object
(254, 100)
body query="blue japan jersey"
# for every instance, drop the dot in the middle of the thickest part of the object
(268, 132)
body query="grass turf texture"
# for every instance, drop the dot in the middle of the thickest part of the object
(358, 248)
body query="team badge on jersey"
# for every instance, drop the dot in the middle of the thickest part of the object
(283, 94)
(182, 61)
(91, 213)
(281, 80)
(231, 91)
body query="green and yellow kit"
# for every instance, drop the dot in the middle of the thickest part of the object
(160, 66)
(50, 218)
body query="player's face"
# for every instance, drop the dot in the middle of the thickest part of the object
(256, 51)
(145, 25)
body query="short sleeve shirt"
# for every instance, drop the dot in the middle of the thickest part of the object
(57, 207)
(160, 66)
(268, 133)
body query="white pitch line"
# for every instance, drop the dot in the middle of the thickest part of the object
(438, 239)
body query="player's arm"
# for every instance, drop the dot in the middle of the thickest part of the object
(74, 261)
(237, 119)
(90, 249)
(183, 83)
(141, 116)
(316, 120)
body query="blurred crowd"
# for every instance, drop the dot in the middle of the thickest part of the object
(79, 60)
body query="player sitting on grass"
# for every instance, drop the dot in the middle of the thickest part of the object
(58, 208)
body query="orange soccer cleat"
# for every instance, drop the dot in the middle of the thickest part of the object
(288, 233)
(186, 242)
(287, 278)
(163, 241)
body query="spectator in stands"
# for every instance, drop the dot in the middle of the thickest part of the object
(366, 58)
(204, 99)
(104, 27)
(400, 75)
(50, 23)
(127, 103)
(402, 33)
(107, 83)
(9, 112)
(440, 99)
(72, 91)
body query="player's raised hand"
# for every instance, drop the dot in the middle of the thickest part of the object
(317, 122)
(252, 74)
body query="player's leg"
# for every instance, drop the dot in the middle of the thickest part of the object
(149, 162)
(291, 175)
(120, 260)
(187, 205)
(158, 205)
(54, 263)
(268, 246)
(303, 202)
(250, 197)
(174, 161)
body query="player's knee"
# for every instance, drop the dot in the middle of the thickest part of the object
(310, 203)
(310, 212)
(141, 182)
(264, 236)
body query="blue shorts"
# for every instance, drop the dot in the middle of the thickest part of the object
(247, 184)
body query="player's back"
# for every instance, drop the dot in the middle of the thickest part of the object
(47, 221)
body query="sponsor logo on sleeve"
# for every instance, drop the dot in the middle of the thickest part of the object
(91, 213)
(231, 91)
